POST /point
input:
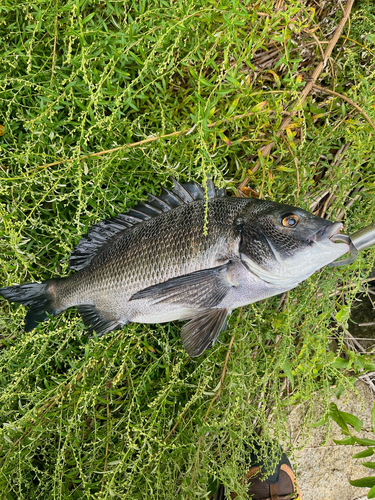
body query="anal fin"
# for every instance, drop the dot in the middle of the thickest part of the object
(95, 321)
(203, 330)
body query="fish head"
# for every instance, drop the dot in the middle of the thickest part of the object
(281, 243)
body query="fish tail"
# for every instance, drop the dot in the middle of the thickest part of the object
(39, 297)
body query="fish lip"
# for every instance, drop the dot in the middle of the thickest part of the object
(327, 231)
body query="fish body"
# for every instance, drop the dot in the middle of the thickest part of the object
(156, 263)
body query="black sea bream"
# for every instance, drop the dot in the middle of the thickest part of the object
(156, 264)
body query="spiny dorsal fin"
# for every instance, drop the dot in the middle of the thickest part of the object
(100, 234)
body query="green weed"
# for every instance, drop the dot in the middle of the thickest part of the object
(93, 418)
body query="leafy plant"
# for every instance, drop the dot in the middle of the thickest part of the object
(344, 420)
(102, 101)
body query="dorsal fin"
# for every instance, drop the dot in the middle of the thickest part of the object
(90, 244)
(100, 234)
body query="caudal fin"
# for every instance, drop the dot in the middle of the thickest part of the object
(36, 296)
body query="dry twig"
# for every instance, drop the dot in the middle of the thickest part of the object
(344, 98)
(153, 139)
(265, 151)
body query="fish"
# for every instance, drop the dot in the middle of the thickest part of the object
(193, 253)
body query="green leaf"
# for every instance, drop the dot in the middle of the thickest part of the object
(365, 441)
(342, 418)
(340, 363)
(87, 19)
(233, 106)
(373, 417)
(370, 465)
(345, 441)
(288, 372)
(364, 453)
(340, 391)
(368, 366)
(336, 416)
(371, 493)
(352, 420)
(320, 422)
(365, 482)
(225, 139)
(343, 314)
(258, 107)
(285, 169)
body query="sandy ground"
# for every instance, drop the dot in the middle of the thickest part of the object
(324, 468)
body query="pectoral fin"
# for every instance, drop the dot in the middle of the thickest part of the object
(203, 330)
(201, 289)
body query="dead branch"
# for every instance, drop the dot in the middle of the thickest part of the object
(344, 98)
(266, 150)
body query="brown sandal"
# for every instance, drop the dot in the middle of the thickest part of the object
(281, 485)
(283, 489)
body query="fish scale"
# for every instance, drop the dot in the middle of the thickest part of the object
(156, 263)
(163, 247)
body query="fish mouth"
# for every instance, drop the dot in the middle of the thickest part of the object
(329, 232)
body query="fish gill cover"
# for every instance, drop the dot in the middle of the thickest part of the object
(102, 102)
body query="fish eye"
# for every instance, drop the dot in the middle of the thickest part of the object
(290, 220)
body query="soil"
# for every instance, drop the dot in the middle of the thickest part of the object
(362, 321)
(324, 468)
